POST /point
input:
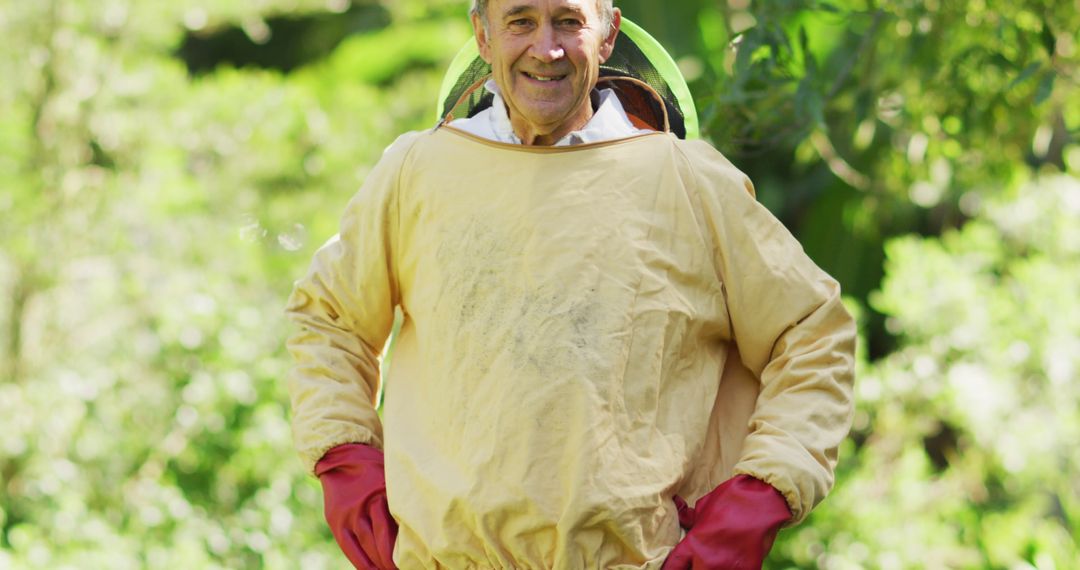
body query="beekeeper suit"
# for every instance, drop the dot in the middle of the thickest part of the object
(601, 328)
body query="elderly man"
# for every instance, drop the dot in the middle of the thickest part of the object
(600, 326)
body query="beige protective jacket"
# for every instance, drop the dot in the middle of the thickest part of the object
(588, 331)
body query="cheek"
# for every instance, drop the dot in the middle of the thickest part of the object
(584, 57)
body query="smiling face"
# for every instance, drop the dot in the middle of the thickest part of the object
(545, 55)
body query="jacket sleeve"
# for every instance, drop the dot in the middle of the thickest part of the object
(344, 310)
(792, 331)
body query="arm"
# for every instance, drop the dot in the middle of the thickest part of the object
(344, 311)
(793, 333)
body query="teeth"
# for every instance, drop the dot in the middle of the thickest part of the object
(539, 78)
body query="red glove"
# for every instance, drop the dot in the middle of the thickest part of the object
(354, 501)
(732, 527)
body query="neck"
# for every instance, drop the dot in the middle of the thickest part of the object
(547, 135)
(533, 135)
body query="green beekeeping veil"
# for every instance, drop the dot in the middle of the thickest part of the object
(637, 55)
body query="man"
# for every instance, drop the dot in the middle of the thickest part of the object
(600, 326)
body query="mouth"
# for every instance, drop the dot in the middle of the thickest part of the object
(543, 78)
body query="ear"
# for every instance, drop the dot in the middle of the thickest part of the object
(609, 42)
(481, 38)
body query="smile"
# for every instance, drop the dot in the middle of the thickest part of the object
(543, 78)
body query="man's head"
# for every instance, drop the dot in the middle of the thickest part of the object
(545, 55)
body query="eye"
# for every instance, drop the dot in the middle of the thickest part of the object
(519, 23)
(572, 23)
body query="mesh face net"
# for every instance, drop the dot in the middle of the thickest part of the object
(636, 55)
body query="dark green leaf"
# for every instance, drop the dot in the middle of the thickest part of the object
(809, 62)
(1048, 40)
(864, 103)
(1001, 61)
(1046, 87)
(744, 56)
(1026, 74)
(809, 103)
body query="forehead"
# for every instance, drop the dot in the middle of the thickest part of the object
(499, 8)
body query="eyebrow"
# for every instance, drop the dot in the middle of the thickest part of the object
(522, 9)
(516, 11)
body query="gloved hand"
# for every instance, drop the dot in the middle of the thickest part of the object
(732, 527)
(354, 501)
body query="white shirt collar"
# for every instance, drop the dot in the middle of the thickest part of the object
(608, 122)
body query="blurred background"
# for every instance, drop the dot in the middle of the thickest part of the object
(168, 168)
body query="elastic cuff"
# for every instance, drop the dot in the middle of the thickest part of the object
(790, 496)
(310, 456)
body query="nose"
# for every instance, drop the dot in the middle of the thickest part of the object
(546, 46)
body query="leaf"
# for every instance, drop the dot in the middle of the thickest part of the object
(1046, 87)
(864, 102)
(1028, 71)
(809, 62)
(744, 56)
(1048, 40)
(810, 103)
(1000, 60)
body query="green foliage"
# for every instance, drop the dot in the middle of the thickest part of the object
(966, 454)
(906, 92)
(152, 224)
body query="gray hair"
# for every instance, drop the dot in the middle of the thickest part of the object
(606, 8)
